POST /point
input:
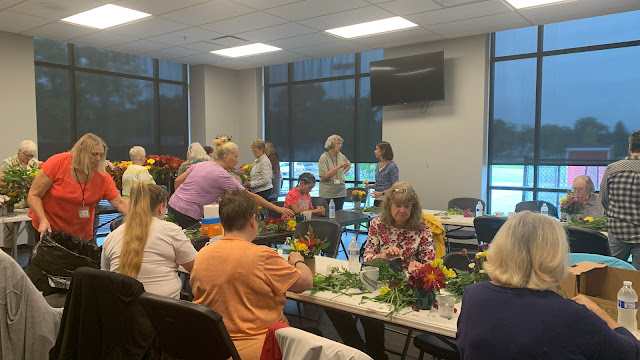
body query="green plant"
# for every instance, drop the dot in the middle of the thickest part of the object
(18, 181)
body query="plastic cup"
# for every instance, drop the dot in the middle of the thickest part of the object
(307, 214)
(499, 213)
(445, 306)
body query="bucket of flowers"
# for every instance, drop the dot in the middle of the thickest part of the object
(357, 196)
(309, 246)
(571, 205)
(428, 280)
(18, 182)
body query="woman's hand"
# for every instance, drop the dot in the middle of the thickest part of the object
(583, 300)
(344, 164)
(414, 265)
(44, 228)
(247, 184)
(295, 256)
(377, 194)
(319, 210)
(391, 253)
(286, 212)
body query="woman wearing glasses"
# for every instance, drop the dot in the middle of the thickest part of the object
(332, 166)
(387, 172)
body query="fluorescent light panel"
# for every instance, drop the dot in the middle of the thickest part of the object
(372, 27)
(246, 50)
(105, 16)
(522, 4)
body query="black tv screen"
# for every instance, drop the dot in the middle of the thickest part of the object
(407, 79)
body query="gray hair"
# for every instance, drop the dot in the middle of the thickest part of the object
(28, 147)
(634, 141)
(587, 180)
(332, 140)
(137, 153)
(196, 153)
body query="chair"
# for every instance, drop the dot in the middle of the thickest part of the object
(457, 261)
(487, 227)
(322, 229)
(116, 223)
(575, 258)
(463, 203)
(318, 201)
(207, 333)
(535, 206)
(298, 344)
(275, 214)
(587, 241)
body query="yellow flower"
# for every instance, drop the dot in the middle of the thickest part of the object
(450, 273)
(472, 265)
(563, 200)
(481, 254)
(589, 219)
(291, 224)
(436, 264)
(148, 167)
(384, 290)
(301, 247)
(151, 161)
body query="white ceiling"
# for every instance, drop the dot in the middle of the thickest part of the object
(186, 30)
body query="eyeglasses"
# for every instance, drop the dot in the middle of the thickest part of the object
(404, 190)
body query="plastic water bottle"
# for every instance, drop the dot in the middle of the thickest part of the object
(544, 210)
(286, 247)
(628, 307)
(332, 209)
(354, 255)
(479, 209)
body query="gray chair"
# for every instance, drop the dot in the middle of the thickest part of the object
(275, 214)
(116, 223)
(587, 241)
(322, 229)
(487, 227)
(535, 205)
(318, 201)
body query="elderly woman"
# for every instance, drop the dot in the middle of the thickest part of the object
(525, 318)
(299, 198)
(195, 154)
(146, 247)
(261, 173)
(275, 167)
(332, 166)
(136, 172)
(583, 188)
(64, 194)
(206, 182)
(386, 173)
(400, 232)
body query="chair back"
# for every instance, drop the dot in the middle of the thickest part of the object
(350, 190)
(322, 229)
(318, 201)
(116, 223)
(535, 205)
(275, 214)
(587, 241)
(466, 203)
(575, 258)
(206, 332)
(487, 227)
(456, 261)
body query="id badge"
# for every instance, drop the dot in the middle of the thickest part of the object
(83, 212)
(336, 181)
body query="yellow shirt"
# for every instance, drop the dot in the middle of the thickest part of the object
(437, 230)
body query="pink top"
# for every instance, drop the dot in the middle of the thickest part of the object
(295, 197)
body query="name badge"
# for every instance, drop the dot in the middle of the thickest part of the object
(336, 181)
(83, 212)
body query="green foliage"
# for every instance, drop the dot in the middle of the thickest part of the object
(457, 285)
(598, 224)
(18, 181)
(373, 209)
(193, 234)
(338, 282)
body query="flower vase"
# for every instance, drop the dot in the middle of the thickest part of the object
(426, 298)
(311, 263)
(357, 204)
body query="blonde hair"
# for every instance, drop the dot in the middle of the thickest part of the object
(137, 153)
(332, 140)
(529, 251)
(196, 153)
(258, 144)
(223, 147)
(81, 151)
(402, 194)
(269, 149)
(144, 200)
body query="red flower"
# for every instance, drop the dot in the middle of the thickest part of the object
(394, 284)
(415, 307)
(432, 277)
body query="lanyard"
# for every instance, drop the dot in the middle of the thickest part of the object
(334, 163)
(79, 183)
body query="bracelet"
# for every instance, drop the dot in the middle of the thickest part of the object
(297, 262)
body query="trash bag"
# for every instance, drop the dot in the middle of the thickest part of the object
(55, 258)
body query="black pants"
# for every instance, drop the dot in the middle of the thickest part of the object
(338, 201)
(346, 326)
(265, 194)
(181, 219)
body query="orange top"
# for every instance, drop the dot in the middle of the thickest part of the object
(246, 284)
(64, 198)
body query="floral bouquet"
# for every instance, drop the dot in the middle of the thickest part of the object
(18, 181)
(589, 222)
(116, 169)
(163, 168)
(476, 274)
(428, 280)
(273, 224)
(571, 205)
(358, 195)
(309, 246)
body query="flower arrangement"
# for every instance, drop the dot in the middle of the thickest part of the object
(456, 286)
(163, 168)
(358, 195)
(309, 246)
(428, 280)
(571, 205)
(273, 224)
(116, 169)
(589, 222)
(18, 181)
(243, 172)
(397, 293)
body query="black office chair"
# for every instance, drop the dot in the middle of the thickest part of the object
(487, 227)
(116, 223)
(207, 333)
(322, 229)
(318, 201)
(463, 203)
(587, 241)
(457, 261)
(535, 205)
(275, 214)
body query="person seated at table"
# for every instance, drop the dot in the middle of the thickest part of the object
(399, 232)
(136, 172)
(245, 282)
(146, 247)
(298, 199)
(584, 189)
(518, 315)
(195, 154)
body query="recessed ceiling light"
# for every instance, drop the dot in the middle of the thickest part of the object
(522, 4)
(372, 27)
(105, 16)
(246, 50)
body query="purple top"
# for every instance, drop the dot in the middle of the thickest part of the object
(516, 323)
(207, 182)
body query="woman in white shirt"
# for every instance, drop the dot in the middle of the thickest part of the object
(261, 172)
(146, 247)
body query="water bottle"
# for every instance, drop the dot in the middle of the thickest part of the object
(332, 209)
(628, 307)
(354, 256)
(544, 210)
(286, 247)
(479, 209)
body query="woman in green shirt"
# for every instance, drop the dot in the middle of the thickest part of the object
(331, 167)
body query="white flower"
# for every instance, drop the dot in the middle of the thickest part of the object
(365, 181)
(482, 271)
(472, 265)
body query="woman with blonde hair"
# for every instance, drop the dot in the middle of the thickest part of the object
(195, 154)
(146, 247)
(261, 173)
(521, 316)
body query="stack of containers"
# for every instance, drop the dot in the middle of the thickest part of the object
(211, 225)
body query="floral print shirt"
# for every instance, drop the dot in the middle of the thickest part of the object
(415, 245)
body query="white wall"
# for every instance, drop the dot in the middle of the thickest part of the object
(17, 92)
(450, 137)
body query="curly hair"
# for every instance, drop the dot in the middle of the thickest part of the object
(402, 194)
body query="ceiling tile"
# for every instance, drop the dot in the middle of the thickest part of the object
(335, 48)
(55, 9)
(186, 36)
(264, 4)
(203, 46)
(60, 31)
(158, 7)
(148, 27)
(459, 13)
(378, 1)
(102, 39)
(280, 57)
(398, 38)
(276, 32)
(406, 7)
(243, 23)
(208, 12)
(479, 25)
(312, 8)
(198, 59)
(138, 46)
(304, 40)
(16, 22)
(576, 10)
(171, 53)
(349, 17)
(7, 3)
(236, 64)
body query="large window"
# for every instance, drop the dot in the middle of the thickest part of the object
(125, 99)
(307, 101)
(564, 100)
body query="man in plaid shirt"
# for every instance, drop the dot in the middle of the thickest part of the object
(620, 195)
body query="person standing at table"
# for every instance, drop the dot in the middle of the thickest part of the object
(26, 158)
(332, 166)
(136, 172)
(65, 192)
(620, 195)
(260, 179)
(386, 173)
(275, 167)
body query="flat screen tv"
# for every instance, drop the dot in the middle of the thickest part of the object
(408, 79)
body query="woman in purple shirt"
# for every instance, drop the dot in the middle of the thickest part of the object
(517, 316)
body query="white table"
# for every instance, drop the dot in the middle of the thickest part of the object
(19, 216)
(455, 220)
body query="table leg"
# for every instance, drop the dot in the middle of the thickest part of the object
(18, 232)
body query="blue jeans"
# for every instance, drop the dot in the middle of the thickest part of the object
(622, 250)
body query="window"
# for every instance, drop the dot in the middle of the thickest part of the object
(563, 103)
